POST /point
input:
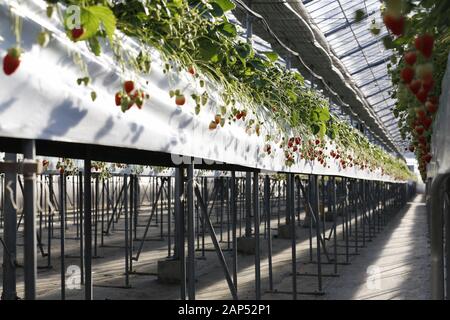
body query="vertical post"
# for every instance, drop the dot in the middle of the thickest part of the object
(87, 230)
(291, 212)
(169, 218)
(269, 231)
(248, 204)
(315, 203)
(234, 222)
(50, 221)
(363, 211)
(62, 227)
(125, 205)
(257, 249)
(9, 232)
(333, 208)
(29, 209)
(81, 221)
(249, 24)
(191, 232)
(179, 229)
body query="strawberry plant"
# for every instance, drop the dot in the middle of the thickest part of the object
(196, 37)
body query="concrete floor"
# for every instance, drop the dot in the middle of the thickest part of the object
(396, 265)
(400, 254)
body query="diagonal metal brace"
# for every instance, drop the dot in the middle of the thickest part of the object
(219, 252)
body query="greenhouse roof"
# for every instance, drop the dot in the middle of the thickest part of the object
(339, 55)
(362, 53)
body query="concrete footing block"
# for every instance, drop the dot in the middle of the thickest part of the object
(284, 231)
(169, 271)
(246, 245)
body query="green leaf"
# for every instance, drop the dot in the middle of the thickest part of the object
(207, 49)
(225, 5)
(315, 128)
(216, 10)
(92, 18)
(273, 56)
(359, 15)
(106, 18)
(244, 50)
(228, 29)
(324, 114)
(94, 46)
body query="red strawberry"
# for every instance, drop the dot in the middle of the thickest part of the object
(415, 85)
(128, 86)
(212, 125)
(427, 85)
(394, 23)
(431, 107)
(11, 61)
(118, 98)
(425, 71)
(191, 70)
(180, 100)
(317, 141)
(419, 130)
(407, 74)
(426, 122)
(422, 95)
(298, 140)
(433, 99)
(410, 57)
(290, 144)
(77, 33)
(424, 44)
(420, 112)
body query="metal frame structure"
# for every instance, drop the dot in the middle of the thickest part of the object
(234, 201)
(363, 208)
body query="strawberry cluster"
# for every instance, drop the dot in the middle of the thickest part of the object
(417, 76)
(217, 120)
(238, 114)
(130, 96)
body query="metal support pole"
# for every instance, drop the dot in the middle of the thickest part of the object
(315, 207)
(269, 231)
(291, 212)
(248, 204)
(29, 209)
(191, 232)
(87, 230)
(257, 249)
(333, 208)
(9, 232)
(127, 254)
(234, 223)
(62, 235)
(179, 229)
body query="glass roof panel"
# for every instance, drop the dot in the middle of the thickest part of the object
(362, 53)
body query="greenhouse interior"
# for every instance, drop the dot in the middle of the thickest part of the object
(225, 150)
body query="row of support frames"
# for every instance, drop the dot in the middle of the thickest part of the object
(363, 208)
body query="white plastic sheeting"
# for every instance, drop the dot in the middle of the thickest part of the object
(440, 142)
(42, 101)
